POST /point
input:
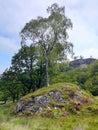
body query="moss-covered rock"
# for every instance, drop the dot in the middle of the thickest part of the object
(58, 96)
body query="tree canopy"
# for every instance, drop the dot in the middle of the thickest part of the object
(49, 34)
(34, 65)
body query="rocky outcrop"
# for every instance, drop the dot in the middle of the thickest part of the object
(37, 103)
(55, 98)
(81, 62)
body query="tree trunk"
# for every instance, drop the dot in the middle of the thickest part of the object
(30, 76)
(47, 76)
(13, 97)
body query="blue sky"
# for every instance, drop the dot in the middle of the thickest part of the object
(15, 13)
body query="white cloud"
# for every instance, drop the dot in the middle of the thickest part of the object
(83, 36)
(8, 45)
(14, 14)
(85, 29)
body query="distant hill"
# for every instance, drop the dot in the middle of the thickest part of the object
(81, 62)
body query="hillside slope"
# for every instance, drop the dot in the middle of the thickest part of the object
(66, 96)
(62, 106)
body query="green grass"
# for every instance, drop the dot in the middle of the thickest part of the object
(52, 119)
(84, 120)
(63, 87)
(44, 90)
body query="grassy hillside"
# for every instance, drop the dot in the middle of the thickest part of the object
(63, 118)
(58, 96)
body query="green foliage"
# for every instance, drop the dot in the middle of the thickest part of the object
(9, 86)
(50, 35)
(23, 64)
(33, 65)
(87, 77)
(92, 85)
(54, 120)
(25, 75)
(44, 59)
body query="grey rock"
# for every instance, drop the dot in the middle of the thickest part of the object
(78, 96)
(37, 110)
(57, 96)
(34, 105)
(29, 105)
(81, 62)
(41, 100)
(19, 106)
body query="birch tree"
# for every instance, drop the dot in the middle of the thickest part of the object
(49, 34)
